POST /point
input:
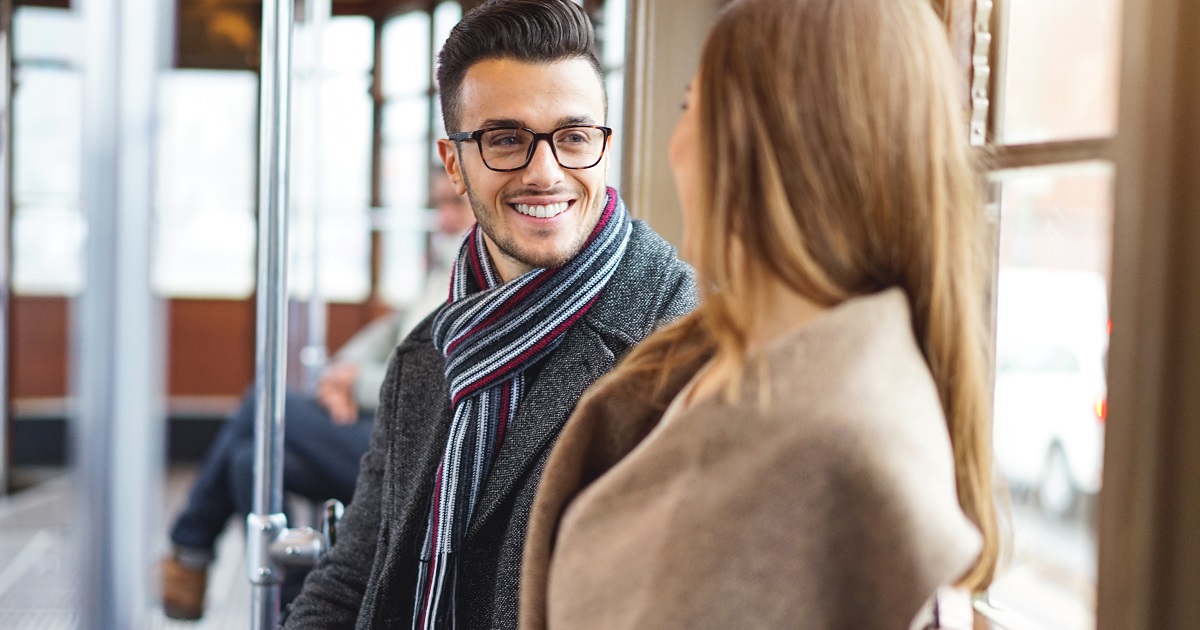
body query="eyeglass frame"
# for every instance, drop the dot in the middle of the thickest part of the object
(463, 136)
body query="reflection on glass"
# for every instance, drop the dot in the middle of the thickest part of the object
(1050, 399)
(1060, 78)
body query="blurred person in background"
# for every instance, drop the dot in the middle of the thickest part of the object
(809, 448)
(326, 433)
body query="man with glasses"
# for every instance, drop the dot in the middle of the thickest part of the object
(551, 288)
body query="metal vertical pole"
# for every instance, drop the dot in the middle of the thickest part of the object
(117, 325)
(316, 350)
(267, 521)
(6, 62)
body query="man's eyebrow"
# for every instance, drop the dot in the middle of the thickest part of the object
(566, 121)
(493, 123)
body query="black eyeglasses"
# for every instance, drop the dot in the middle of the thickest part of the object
(507, 149)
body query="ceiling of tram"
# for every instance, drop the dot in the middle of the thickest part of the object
(224, 34)
(340, 7)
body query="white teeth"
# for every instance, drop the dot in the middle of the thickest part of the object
(542, 211)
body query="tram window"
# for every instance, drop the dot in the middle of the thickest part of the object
(611, 30)
(1052, 93)
(46, 34)
(408, 134)
(1061, 67)
(1050, 396)
(331, 161)
(47, 132)
(445, 16)
(205, 193)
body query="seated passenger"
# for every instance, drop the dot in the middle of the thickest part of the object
(809, 448)
(325, 435)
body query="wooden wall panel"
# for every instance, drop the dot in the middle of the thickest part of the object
(347, 319)
(38, 367)
(210, 344)
(211, 347)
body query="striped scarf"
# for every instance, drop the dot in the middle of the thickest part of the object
(490, 332)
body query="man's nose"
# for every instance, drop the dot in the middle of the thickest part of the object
(543, 170)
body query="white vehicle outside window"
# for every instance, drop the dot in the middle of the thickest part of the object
(1051, 340)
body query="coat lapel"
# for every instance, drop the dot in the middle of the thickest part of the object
(542, 414)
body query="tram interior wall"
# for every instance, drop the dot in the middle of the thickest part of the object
(210, 359)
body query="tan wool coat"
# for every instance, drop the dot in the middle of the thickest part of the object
(832, 507)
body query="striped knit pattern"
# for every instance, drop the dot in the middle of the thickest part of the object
(490, 333)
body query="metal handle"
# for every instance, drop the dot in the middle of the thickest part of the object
(332, 513)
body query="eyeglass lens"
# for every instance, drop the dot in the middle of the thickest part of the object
(576, 147)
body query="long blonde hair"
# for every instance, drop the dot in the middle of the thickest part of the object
(836, 163)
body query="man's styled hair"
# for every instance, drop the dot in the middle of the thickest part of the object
(531, 31)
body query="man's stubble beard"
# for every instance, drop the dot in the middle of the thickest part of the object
(508, 245)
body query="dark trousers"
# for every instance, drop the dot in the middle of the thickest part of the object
(320, 462)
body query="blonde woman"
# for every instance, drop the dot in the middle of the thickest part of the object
(810, 447)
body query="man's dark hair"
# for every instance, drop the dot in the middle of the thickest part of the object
(531, 31)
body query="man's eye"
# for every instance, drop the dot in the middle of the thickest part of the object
(504, 140)
(574, 138)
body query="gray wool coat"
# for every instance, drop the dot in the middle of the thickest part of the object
(367, 580)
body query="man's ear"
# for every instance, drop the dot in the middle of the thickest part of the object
(448, 151)
(608, 156)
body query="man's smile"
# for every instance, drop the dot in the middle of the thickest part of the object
(546, 208)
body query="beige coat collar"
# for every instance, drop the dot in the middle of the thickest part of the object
(866, 487)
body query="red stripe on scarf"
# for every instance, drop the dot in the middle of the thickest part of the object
(476, 264)
(609, 208)
(484, 382)
(505, 393)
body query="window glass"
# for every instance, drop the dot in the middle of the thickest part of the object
(1061, 68)
(406, 69)
(331, 163)
(615, 81)
(404, 246)
(1050, 398)
(611, 29)
(207, 166)
(349, 46)
(408, 147)
(48, 226)
(405, 159)
(445, 16)
(41, 35)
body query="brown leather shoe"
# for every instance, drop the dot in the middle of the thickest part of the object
(183, 590)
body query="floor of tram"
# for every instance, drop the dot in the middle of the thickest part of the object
(38, 576)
